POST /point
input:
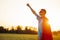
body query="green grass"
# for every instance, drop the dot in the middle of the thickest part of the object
(23, 37)
(56, 37)
(18, 37)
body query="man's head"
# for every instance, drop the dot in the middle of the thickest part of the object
(42, 12)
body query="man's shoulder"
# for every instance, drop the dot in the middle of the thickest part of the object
(46, 18)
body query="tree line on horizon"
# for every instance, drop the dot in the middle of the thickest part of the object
(18, 30)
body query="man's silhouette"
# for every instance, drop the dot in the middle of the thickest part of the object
(44, 31)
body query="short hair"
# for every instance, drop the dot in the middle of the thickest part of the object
(44, 10)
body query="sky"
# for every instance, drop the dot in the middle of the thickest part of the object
(15, 12)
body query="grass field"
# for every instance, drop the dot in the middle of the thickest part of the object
(23, 37)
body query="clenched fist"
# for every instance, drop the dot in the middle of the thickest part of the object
(28, 5)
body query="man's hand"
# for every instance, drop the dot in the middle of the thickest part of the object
(28, 5)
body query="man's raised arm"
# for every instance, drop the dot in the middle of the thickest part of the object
(32, 9)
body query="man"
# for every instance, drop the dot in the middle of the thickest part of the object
(44, 31)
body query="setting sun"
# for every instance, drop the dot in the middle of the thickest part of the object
(15, 12)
